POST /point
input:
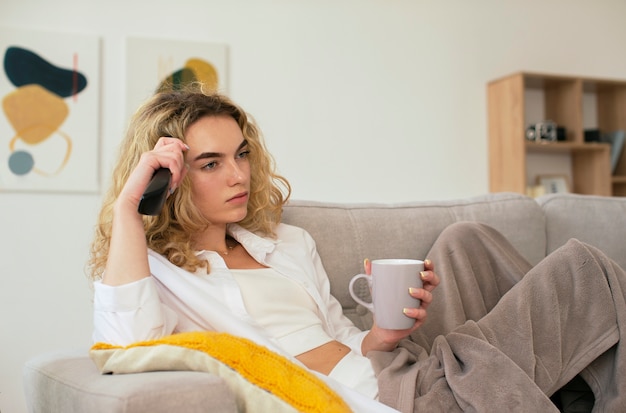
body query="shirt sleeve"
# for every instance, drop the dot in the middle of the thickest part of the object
(131, 312)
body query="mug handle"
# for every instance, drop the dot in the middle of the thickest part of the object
(369, 306)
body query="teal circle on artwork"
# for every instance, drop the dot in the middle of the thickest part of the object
(21, 162)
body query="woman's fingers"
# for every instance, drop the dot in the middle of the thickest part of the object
(166, 141)
(419, 314)
(167, 153)
(170, 153)
(423, 295)
(430, 279)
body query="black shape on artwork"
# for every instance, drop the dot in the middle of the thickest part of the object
(24, 67)
(177, 80)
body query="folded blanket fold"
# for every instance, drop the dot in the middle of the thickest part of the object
(262, 380)
(536, 332)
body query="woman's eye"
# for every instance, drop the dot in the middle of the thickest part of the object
(244, 154)
(210, 165)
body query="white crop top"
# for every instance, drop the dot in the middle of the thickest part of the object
(283, 308)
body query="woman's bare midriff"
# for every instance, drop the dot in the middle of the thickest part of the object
(325, 357)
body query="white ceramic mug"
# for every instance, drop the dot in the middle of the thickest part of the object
(389, 285)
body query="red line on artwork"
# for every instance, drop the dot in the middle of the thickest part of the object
(75, 78)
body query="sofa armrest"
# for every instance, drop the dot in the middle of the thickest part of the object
(70, 382)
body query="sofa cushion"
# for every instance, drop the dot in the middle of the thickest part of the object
(70, 382)
(596, 220)
(347, 233)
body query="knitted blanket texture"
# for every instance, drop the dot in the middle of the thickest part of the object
(261, 380)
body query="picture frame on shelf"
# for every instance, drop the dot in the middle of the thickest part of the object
(554, 184)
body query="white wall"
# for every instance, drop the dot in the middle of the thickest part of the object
(360, 100)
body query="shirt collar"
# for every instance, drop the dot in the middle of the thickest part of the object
(258, 247)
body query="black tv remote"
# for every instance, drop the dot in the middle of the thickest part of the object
(154, 196)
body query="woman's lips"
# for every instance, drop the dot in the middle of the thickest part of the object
(241, 197)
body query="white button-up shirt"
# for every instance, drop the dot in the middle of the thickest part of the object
(174, 300)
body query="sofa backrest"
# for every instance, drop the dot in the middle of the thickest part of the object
(345, 234)
(596, 220)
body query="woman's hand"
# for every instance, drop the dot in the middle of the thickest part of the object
(127, 260)
(167, 153)
(386, 340)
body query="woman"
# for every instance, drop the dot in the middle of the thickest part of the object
(224, 191)
(218, 258)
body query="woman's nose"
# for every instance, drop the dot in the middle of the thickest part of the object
(235, 173)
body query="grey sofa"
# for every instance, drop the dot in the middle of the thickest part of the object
(345, 234)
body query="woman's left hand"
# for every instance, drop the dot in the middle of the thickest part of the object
(386, 340)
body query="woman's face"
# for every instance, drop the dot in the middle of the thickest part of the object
(219, 169)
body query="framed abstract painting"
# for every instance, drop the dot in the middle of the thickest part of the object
(50, 119)
(154, 64)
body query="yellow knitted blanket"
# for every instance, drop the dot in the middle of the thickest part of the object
(261, 380)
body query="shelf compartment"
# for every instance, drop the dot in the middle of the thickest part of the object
(512, 106)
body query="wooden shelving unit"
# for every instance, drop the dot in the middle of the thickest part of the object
(562, 103)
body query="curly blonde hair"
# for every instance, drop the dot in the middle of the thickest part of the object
(170, 233)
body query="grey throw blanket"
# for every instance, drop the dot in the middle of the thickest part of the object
(503, 337)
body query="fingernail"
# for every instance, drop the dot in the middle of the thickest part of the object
(186, 146)
(405, 311)
(423, 274)
(412, 290)
(427, 262)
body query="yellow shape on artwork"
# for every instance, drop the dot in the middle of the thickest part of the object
(34, 112)
(204, 71)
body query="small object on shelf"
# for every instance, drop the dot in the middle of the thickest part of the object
(535, 191)
(542, 131)
(616, 139)
(553, 184)
(592, 135)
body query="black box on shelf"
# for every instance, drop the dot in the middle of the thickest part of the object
(592, 135)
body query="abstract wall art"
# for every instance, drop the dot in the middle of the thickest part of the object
(155, 64)
(49, 123)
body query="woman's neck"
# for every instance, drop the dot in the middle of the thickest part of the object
(214, 239)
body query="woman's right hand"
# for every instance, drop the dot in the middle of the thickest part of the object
(127, 260)
(167, 153)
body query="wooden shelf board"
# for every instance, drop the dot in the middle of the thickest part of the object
(565, 146)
